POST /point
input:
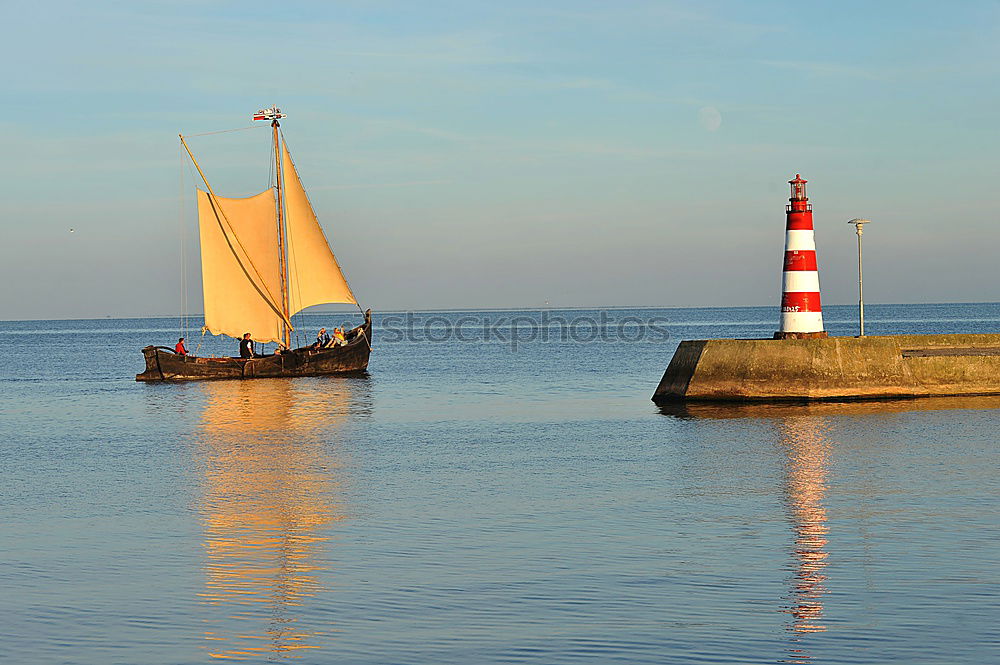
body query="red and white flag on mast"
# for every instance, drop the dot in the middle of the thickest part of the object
(273, 113)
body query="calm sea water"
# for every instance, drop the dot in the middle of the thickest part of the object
(470, 503)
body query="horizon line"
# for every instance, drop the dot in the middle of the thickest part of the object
(536, 308)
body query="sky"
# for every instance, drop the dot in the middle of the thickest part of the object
(517, 154)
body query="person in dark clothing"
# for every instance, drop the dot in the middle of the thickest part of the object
(322, 339)
(246, 347)
(180, 349)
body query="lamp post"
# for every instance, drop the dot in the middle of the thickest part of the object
(859, 226)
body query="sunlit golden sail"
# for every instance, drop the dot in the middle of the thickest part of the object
(314, 276)
(239, 265)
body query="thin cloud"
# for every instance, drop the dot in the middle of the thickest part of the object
(825, 69)
(380, 185)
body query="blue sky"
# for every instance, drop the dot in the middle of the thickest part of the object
(481, 154)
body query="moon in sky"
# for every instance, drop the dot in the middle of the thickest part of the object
(709, 118)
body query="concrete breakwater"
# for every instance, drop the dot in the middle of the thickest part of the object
(832, 368)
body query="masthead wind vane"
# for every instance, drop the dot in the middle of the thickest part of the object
(272, 113)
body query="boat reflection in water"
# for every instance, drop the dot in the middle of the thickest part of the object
(807, 462)
(273, 494)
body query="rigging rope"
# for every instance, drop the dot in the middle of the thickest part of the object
(323, 231)
(289, 245)
(270, 166)
(225, 131)
(202, 340)
(180, 218)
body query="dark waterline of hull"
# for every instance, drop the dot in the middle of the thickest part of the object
(162, 364)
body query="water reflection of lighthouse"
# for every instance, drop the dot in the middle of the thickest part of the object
(272, 496)
(808, 455)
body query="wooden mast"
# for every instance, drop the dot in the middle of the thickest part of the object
(282, 263)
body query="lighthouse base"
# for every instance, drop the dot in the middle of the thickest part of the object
(822, 334)
(834, 368)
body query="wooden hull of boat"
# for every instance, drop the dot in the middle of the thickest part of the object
(162, 364)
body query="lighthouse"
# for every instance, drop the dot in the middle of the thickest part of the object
(801, 312)
(803, 363)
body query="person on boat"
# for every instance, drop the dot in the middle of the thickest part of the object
(246, 347)
(180, 349)
(338, 337)
(322, 339)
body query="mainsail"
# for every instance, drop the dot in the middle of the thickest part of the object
(314, 276)
(239, 266)
(257, 271)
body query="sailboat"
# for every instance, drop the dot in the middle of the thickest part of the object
(264, 258)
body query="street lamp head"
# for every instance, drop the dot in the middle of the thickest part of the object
(859, 224)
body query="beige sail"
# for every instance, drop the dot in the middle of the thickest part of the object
(314, 276)
(239, 266)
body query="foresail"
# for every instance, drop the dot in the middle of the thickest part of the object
(314, 276)
(239, 265)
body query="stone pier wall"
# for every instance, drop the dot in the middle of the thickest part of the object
(833, 368)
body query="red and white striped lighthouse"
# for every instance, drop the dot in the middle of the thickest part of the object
(801, 312)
